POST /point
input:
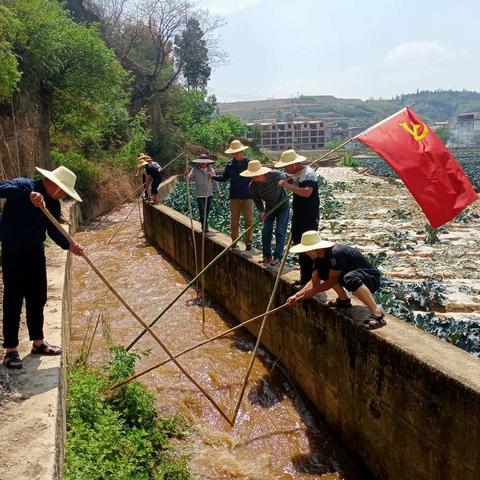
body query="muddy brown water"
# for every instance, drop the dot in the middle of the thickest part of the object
(278, 435)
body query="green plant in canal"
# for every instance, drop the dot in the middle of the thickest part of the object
(119, 435)
(398, 241)
(431, 235)
(376, 259)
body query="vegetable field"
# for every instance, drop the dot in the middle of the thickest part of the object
(431, 278)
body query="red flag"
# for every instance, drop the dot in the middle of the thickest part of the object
(425, 165)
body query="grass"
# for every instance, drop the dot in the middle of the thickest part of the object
(118, 435)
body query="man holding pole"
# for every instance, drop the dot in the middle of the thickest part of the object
(267, 194)
(23, 229)
(305, 204)
(240, 198)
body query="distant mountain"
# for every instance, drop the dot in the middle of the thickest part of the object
(432, 106)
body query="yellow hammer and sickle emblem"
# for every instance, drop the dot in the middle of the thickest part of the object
(413, 131)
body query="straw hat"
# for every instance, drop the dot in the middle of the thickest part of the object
(143, 156)
(63, 178)
(203, 159)
(289, 157)
(236, 146)
(255, 169)
(141, 163)
(311, 241)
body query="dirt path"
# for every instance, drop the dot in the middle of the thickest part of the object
(29, 397)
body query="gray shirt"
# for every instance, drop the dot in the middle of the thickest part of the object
(203, 184)
(267, 195)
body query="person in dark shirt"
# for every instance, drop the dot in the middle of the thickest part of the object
(340, 267)
(240, 198)
(23, 229)
(305, 204)
(267, 194)
(154, 177)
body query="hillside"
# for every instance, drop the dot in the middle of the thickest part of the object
(433, 106)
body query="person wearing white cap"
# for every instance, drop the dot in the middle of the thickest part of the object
(267, 194)
(240, 199)
(23, 229)
(305, 204)
(201, 174)
(340, 267)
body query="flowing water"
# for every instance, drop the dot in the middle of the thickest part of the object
(277, 435)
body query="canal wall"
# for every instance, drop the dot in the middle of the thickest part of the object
(406, 403)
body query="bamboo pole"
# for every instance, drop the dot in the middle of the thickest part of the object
(132, 194)
(198, 345)
(136, 316)
(259, 336)
(123, 222)
(190, 214)
(203, 260)
(139, 204)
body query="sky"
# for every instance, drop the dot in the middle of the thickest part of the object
(346, 48)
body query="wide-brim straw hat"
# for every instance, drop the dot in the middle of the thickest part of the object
(311, 241)
(236, 146)
(64, 178)
(255, 169)
(203, 160)
(143, 156)
(289, 157)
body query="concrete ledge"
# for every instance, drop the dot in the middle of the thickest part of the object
(406, 403)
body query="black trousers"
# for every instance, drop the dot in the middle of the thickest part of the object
(24, 277)
(302, 223)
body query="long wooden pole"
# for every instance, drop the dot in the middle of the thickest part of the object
(123, 222)
(136, 316)
(198, 345)
(132, 194)
(204, 226)
(259, 336)
(190, 214)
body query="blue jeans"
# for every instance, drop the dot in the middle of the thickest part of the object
(201, 209)
(280, 217)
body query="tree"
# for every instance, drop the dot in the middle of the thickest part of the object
(142, 33)
(191, 50)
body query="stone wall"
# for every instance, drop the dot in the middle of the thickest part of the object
(404, 402)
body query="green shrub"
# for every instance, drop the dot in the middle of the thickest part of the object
(89, 173)
(119, 436)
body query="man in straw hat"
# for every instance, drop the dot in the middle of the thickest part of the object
(340, 267)
(267, 194)
(154, 176)
(201, 174)
(240, 198)
(141, 163)
(305, 204)
(23, 230)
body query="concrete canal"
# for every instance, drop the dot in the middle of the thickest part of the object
(278, 434)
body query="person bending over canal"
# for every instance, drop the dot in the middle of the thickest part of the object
(154, 177)
(340, 267)
(305, 204)
(202, 174)
(266, 194)
(23, 229)
(240, 198)
(141, 163)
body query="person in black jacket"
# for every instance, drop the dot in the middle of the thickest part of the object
(23, 229)
(240, 198)
(340, 267)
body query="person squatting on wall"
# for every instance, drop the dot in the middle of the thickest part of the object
(240, 198)
(23, 229)
(267, 194)
(202, 175)
(340, 267)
